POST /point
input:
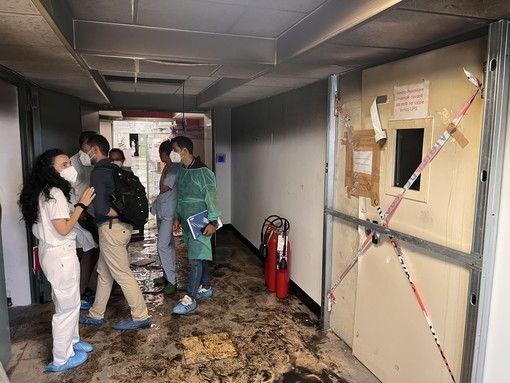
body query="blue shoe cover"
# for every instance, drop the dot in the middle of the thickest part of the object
(185, 306)
(86, 305)
(78, 358)
(204, 293)
(92, 321)
(83, 346)
(132, 325)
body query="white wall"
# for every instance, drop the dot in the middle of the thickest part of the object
(222, 144)
(106, 130)
(14, 233)
(278, 166)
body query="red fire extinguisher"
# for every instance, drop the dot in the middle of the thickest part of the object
(282, 266)
(275, 249)
(270, 266)
(266, 232)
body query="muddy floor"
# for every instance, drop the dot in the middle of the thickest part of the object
(241, 334)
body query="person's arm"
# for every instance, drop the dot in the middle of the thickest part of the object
(98, 180)
(211, 200)
(64, 225)
(162, 187)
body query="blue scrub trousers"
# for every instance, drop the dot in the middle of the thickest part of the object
(166, 248)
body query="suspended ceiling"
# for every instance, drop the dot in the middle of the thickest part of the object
(200, 54)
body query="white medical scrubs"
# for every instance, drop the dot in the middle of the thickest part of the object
(57, 255)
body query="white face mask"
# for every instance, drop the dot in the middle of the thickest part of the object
(118, 163)
(175, 157)
(69, 174)
(85, 159)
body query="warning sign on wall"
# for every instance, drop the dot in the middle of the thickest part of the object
(411, 101)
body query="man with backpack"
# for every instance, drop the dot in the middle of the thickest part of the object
(114, 235)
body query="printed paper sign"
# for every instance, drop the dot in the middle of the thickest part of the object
(411, 101)
(362, 162)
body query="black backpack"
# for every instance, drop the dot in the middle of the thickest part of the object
(129, 200)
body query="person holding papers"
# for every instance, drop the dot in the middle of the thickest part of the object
(196, 192)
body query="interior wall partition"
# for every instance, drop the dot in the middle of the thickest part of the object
(377, 311)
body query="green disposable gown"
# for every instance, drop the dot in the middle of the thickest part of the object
(196, 192)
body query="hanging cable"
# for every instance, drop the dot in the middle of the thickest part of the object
(183, 120)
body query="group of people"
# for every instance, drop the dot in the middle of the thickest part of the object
(66, 202)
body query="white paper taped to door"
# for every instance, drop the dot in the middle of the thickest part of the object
(362, 162)
(376, 122)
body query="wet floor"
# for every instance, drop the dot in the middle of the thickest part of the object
(241, 334)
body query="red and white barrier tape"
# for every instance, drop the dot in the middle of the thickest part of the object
(385, 218)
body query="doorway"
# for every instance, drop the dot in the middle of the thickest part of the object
(140, 137)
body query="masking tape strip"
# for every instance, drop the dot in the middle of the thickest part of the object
(457, 135)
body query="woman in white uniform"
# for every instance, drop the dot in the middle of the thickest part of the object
(44, 203)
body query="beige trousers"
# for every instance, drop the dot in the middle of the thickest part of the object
(113, 265)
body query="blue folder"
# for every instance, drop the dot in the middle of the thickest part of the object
(198, 221)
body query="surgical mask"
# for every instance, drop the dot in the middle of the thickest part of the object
(85, 159)
(69, 174)
(118, 163)
(175, 157)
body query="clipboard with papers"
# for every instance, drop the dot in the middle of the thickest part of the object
(198, 221)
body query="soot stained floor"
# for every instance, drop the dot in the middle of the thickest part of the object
(241, 334)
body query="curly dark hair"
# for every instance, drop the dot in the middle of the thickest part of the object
(41, 179)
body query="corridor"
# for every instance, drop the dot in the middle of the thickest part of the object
(242, 334)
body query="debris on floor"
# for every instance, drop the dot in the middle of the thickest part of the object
(242, 334)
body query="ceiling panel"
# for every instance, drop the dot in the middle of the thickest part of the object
(19, 29)
(117, 73)
(161, 76)
(288, 82)
(233, 2)
(258, 91)
(312, 71)
(17, 6)
(288, 5)
(33, 53)
(76, 85)
(64, 68)
(158, 66)
(192, 90)
(114, 11)
(188, 15)
(203, 82)
(117, 64)
(487, 9)
(264, 22)
(121, 86)
(397, 29)
(241, 71)
(225, 50)
(121, 40)
(157, 88)
(347, 55)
